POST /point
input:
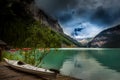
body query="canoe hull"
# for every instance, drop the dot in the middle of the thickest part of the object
(38, 73)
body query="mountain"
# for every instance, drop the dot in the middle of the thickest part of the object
(74, 43)
(23, 24)
(85, 41)
(109, 38)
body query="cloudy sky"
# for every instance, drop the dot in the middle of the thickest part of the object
(82, 18)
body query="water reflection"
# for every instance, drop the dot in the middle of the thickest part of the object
(86, 67)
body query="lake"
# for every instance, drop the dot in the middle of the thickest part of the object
(85, 63)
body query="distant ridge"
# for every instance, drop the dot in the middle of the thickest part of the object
(109, 38)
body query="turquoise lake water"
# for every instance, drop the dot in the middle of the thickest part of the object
(85, 63)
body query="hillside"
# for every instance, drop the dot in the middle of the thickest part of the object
(108, 38)
(21, 21)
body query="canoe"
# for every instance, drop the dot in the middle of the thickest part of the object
(45, 73)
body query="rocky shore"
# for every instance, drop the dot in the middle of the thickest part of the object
(7, 73)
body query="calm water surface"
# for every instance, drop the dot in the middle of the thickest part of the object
(85, 63)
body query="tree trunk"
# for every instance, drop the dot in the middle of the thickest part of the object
(0, 54)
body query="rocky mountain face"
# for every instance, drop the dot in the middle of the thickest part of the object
(17, 16)
(42, 17)
(109, 38)
(26, 9)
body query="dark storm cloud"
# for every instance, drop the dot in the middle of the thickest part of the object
(101, 16)
(52, 6)
(64, 18)
(100, 10)
(105, 16)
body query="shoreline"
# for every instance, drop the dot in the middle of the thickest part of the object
(7, 73)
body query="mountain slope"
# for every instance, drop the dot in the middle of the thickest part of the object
(74, 42)
(109, 38)
(19, 20)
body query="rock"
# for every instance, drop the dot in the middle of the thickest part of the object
(61, 77)
(40, 15)
(109, 38)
